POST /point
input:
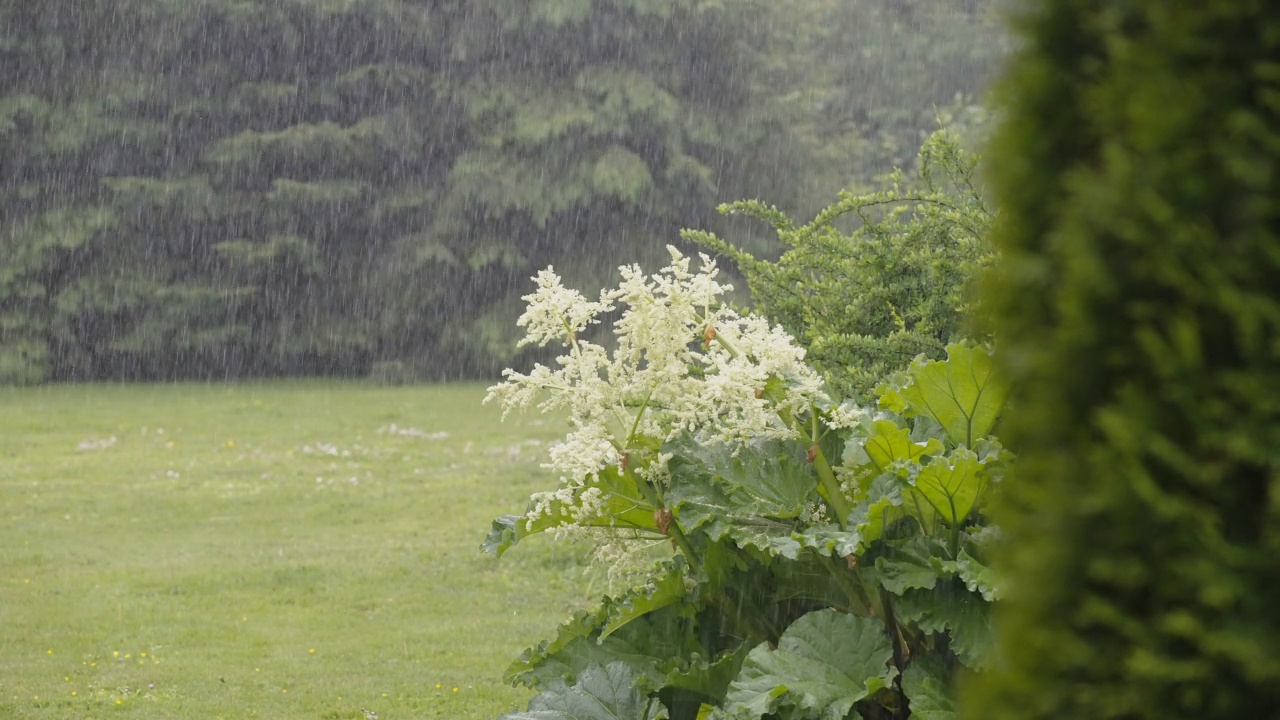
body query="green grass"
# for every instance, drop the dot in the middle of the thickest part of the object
(267, 550)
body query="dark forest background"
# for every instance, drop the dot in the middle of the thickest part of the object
(236, 188)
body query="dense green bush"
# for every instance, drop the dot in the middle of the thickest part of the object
(829, 558)
(865, 301)
(1138, 176)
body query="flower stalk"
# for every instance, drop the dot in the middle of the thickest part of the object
(677, 535)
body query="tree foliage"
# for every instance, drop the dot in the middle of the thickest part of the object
(1138, 172)
(865, 300)
(299, 186)
(307, 186)
(881, 73)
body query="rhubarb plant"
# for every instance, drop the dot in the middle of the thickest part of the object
(822, 559)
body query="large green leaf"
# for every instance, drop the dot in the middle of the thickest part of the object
(660, 650)
(830, 540)
(977, 577)
(951, 608)
(952, 484)
(751, 494)
(960, 393)
(653, 646)
(662, 590)
(537, 670)
(899, 576)
(924, 682)
(623, 507)
(765, 478)
(700, 503)
(889, 443)
(710, 678)
(881, 507)
(648, 628)
(824, 663)
(601, 693)
(775, 538)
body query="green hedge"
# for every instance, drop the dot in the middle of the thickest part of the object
(1138, 176)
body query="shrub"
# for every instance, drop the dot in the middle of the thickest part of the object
(1138, 179)
(825, 559)
(865, 301)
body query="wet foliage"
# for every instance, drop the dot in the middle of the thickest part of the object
(1138, 175)
(768, 612)
(876, 278)
(222, 188)
(824, 559)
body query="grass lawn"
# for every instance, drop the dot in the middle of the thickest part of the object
(272, 550)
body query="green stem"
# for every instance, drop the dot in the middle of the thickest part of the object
(726, 342)
(639, 414)
(682, 541)
(895, 637)
(651, 493)
(829, 488)
(850, 584)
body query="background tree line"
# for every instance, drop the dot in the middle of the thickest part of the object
(222, 188)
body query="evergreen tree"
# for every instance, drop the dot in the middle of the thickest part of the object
(897, 283)
(880, 74)
(594, 131)
(1138, 175)
(300, 186)
(310, 186)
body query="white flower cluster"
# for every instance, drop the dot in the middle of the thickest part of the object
(683, 362)
(555, 311)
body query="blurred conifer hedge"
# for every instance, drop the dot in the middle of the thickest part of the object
(1138, 176)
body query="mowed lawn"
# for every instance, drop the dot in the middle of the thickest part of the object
(270, 550)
